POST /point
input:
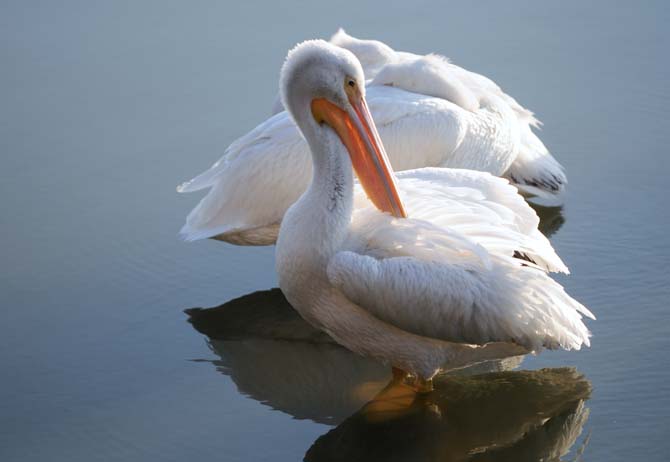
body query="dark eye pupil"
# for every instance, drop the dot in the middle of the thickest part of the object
(351, 83)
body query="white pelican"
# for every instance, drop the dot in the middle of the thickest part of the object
(429, 113)
(422, 293)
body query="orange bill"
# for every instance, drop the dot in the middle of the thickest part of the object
(368, 157)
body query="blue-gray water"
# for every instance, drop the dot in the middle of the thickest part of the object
(106, 106)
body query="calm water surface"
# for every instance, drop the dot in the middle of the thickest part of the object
(106, 107)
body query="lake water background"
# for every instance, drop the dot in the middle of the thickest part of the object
(106, 107)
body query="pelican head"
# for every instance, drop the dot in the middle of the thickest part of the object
(323, 88)
(316, 69)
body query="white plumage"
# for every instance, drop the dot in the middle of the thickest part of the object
(419, 292)
(455, 259)
(429, 112)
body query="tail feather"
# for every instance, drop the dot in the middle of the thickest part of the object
(205, 180)
(536, 172)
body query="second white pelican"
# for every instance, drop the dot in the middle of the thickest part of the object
(430, 113)
(432, 291)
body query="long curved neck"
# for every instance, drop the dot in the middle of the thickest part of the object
(317, 224)
(329, 197)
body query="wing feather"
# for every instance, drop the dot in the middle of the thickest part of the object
(450, 272)
(463, 301)
(484, 209)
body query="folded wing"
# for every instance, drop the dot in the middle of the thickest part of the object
(450, 271)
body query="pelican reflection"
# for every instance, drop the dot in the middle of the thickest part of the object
(551, 218)
(510, 415)
(484, 412)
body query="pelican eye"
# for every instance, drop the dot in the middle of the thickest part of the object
(351, 87)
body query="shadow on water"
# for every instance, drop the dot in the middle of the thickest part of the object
(485, 412)
(275, 357)
(551, 218)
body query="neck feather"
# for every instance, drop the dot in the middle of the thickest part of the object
(327, 204)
